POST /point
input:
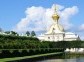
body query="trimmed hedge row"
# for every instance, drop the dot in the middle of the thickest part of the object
(22, 42)
(25, 52)
(12, 37)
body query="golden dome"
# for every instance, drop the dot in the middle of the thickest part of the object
(55, 27)
(55, 16)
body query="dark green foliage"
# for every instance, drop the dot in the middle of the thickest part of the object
(13, 46)
(22, 45)
(17, 42)
(5, 53)
(12, 33)
(70, 44)
(28, 33)
(23, 42)
(33, 34)
(7, 32)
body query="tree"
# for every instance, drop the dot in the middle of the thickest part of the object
(33, 34)
(7, 32)
(28, 33)
(13, 33)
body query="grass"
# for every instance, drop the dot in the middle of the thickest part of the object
(27, 57)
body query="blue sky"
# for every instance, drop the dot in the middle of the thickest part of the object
(12, 11)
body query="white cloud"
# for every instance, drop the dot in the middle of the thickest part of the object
(39, 18)
(81, 35)
(65, 16)
(81, 27)
(80, 31)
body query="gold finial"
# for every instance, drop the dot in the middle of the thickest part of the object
(55, 8)
(55, 16)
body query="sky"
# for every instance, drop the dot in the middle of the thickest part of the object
(29, 15)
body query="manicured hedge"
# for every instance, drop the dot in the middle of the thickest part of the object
(12, 46)
(23, 42)
(4, 53)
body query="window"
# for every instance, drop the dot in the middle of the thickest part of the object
(53, 28)
(48, 37)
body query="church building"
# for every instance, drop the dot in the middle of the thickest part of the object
(57, 32)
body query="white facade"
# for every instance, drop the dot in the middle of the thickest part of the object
(57, 33)
(74, 50)
(59, 37)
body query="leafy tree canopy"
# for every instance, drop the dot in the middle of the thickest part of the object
(33, 34)
(28, 33)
